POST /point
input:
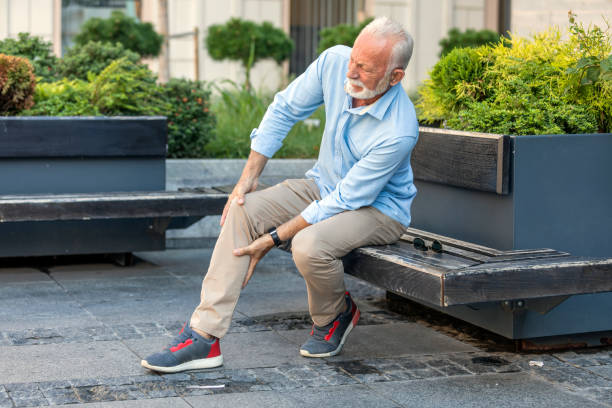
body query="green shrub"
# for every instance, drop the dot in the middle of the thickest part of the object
(523, 86)
(239, 111)
(119, 28)
(469, 38)
(342, 34)
(247, 42)
(63, 98)
(92, 57)
(125, 88)
(37, 50)
(190, 121)
(17, 84)
(454, 81)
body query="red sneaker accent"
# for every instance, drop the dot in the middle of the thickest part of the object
(356, 318)
(332, 330)
(312, 330)
(181, 345)
(215, 349)
(183, 328)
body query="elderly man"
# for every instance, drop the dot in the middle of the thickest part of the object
(358, 193)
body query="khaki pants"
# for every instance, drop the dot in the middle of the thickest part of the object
(316, 251)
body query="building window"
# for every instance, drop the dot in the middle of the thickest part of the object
(77, 12)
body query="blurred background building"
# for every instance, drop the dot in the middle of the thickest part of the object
(428, 21)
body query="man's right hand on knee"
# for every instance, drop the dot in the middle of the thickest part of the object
(248, 181)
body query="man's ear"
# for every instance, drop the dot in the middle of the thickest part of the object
(396, 76)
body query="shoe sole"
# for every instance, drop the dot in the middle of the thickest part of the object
(190, 365)
(332, 353)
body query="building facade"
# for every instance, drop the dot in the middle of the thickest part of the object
(427, 20)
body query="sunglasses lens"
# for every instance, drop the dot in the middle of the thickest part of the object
(419, 244)
(436, 246)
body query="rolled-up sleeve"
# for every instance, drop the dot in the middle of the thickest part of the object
(363, 182)
(297, 102)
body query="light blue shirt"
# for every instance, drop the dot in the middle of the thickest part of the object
(364, 158)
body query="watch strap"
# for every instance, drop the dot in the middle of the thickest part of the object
(275, 238)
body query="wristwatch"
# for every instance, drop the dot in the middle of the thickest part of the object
(275, 238)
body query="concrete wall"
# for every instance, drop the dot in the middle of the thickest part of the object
(33, 16)
(530, 16)
(428, 22)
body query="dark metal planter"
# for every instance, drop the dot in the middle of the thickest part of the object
(520, 192)
(60, 155)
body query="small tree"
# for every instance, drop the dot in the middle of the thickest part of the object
(342, 34)
(132, 34)
(37, 50)
(247, 42)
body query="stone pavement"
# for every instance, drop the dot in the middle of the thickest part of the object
(75, 334)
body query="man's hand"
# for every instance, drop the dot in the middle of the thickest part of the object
(257, 250)
(248, 181)
(242, 187)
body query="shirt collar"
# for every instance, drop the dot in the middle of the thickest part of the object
(378, 108)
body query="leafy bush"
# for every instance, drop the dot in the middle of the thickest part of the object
(121, 89)
(92, 57)
(231, 135)
(524, 86)
(125, 88)
(17, 84)
(63, 98)
(469, 38)
(247, 42)
(37, 50)
(119, 28)
(342, 34)
(190, 121)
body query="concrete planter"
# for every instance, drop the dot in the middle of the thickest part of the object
(558, 191)
(521, 192)
(60, 155)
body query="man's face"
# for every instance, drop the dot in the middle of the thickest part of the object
(367, 71)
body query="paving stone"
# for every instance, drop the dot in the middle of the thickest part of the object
(483, 391)
(572, 376)
(482, 363)
(421, 373)
(157, 389)
(274, 378)
(49, 362)
(245, 400)
(355, 396)
(5, 401)
(61, 396)
(26, 395)
(603, 371)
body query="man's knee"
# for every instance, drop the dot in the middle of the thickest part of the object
(308, 250)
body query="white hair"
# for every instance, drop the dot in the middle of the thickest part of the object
(402, 48)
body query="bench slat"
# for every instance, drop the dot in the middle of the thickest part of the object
(61, 207)
(525, 279)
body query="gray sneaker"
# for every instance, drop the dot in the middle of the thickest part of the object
(328, 340)
(193, 353)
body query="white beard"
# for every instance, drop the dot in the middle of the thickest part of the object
(367, 93)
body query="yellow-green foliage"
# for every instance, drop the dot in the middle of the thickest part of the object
(542, 85)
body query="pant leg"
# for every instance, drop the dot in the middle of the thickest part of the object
(261, 211)
(318, 248)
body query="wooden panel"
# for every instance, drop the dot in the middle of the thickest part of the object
(478, 161)
(109, 206)
(82, 137)
(376, 266)
(526, 279)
